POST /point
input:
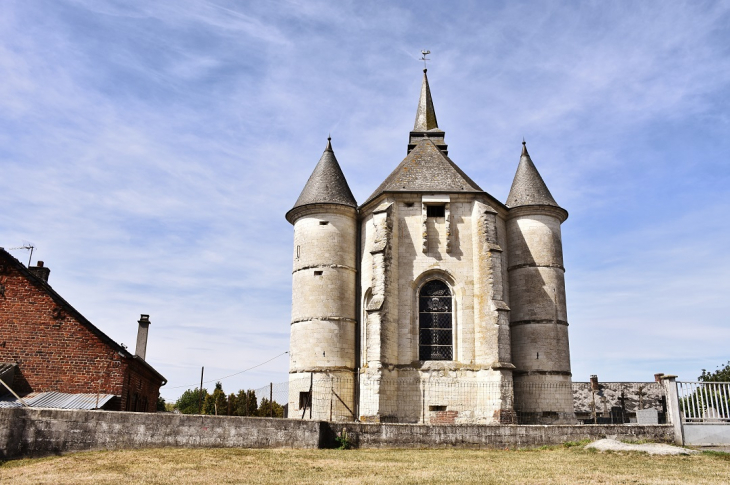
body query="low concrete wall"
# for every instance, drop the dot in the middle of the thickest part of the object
(707, 434)
(37, 432)
(488, 436)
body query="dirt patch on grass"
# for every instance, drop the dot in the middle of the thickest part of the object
(220, 466)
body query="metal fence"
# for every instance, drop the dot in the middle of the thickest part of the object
(704, 402)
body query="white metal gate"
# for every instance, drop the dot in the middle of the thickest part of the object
(705, 411)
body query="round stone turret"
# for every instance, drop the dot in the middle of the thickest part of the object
(323, 325)
(538, 317)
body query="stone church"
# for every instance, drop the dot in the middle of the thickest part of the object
(432, 301)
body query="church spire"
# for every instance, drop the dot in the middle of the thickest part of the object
(326, 185)
(528, 187)
(426, 125)
(425, 115)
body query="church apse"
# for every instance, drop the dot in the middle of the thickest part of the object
(432, 301)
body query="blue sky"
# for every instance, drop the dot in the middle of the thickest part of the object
(151, 149)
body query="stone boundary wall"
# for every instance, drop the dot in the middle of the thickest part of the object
(36, 432)
(28, 432)
(489, 436)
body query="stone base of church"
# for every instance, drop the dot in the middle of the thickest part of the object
(544, 399)
(322, 395)
(446, 396)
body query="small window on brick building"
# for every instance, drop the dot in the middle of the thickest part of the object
(437, 408)
(305, 399)
(436, 211)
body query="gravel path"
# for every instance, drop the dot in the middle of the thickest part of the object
(651, 448)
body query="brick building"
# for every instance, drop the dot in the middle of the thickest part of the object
(47, 345)
(432, 300)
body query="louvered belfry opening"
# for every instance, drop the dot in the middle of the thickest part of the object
(435, 322)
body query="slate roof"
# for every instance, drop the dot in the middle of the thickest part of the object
(327, 184)
(426, 169)
(528, 187)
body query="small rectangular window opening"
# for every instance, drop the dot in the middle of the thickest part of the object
(299, 252)
(323, 223)
(409, 204)
(304, 399)
(436, 211)
(318, 273)
(437, 408)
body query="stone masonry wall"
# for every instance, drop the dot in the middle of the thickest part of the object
(469, 436)
(37, 432)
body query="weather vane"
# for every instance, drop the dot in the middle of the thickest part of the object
(423, 57)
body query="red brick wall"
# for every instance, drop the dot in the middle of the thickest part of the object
(55, 352)
(141, 389)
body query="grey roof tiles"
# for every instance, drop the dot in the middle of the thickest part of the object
(426, 169)
(528, 187)
(327, 184)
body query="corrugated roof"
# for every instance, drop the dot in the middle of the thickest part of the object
(57, 400)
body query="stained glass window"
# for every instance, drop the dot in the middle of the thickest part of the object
(434, 322)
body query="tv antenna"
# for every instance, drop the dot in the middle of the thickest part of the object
(26, 246)
(424, 53)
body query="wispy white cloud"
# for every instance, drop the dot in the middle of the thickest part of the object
(150, 150)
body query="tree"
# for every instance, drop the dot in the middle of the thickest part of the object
(232, 405)
(246, 402)
(266, 407)
(216, 403)
(722, 374)
(189, 402)
(161, 405)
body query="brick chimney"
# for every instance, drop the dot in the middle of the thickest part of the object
(594, 383)
(144, 325)
(40, 271)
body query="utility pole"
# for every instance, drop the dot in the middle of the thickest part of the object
(200, 392)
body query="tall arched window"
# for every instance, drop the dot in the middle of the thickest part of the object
(435, 341)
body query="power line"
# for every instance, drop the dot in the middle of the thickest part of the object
(231, 375)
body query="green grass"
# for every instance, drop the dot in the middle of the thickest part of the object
(569, 463)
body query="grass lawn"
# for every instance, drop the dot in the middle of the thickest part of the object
(219, 466)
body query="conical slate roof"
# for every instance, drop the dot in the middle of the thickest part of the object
(528, 187)
(327, 184)
(426, 169)
(425, 114)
